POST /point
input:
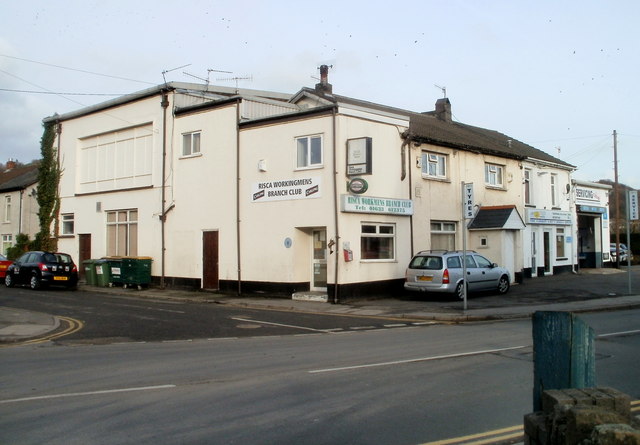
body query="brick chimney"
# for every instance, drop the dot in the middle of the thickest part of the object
(324, 87)
(10, 165)
(443, 109)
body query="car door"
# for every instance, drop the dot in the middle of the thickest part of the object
(488, 276)
(473, 277)
(20, 268)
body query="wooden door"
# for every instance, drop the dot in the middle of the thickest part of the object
(210, 278)
(84, 240)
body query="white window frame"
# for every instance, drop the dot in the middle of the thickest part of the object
(444, 229)
(494, 175)
(434, 165)
(68, 223)
(191, 143)
(553, 178)
(122, 234)
(383, 231)
(560, 244)
(528, 186)
(305, 155)
(7, 208)
(7, 242)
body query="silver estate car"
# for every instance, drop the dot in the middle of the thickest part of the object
(441, 271)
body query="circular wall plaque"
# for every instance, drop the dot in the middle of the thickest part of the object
(358, 186)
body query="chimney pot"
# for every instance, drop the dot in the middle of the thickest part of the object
(324, 86)
(443, 109)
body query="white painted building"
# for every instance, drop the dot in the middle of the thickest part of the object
(549, 239)
(19, 211)
(591, 200)
(250, 191)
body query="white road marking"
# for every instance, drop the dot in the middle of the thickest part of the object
(613, 334)
(88, 393)
(414, 360)
(278, 324)
(396, 325)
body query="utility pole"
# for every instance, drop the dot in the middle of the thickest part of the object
(616, 196)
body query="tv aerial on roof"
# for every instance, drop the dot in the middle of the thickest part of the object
(235, 78)
(443, 89)
(172, 69)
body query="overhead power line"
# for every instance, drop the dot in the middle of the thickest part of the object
(58, 93)
(76, 69)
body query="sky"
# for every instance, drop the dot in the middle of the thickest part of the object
(560, 76)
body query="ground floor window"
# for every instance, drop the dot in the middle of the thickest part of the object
(122, 233)
(443, 235)
(560, 241)
(7, 241)
(377, 241)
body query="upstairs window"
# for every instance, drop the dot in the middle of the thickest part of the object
(493, 175)
(309, 151)
(7, 208)
(554, 189)
(191, 143)
(434, 165)
(68, 224)
(527, 186)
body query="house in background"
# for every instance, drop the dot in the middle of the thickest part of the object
(448, 153)
(244, 190)
(18, 195)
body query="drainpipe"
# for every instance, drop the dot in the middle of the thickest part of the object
(405, 152)
(238, 231)
(336, 206)
(163, 215)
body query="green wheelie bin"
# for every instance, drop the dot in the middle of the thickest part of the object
(90, 272)
(136, 272)
(103, 272)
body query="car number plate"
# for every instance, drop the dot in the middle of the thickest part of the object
(60, 278)
(425, 278)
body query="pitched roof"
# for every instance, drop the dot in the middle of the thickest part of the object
(18, 178)
(497, 217)
(427, 128)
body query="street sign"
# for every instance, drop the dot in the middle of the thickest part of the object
(467, 203)
(633, 205)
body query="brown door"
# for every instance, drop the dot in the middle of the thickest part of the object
(84, 240)
(210, 260)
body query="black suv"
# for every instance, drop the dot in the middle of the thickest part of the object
(38, 269)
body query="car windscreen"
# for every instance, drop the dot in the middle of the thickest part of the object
(426, 262)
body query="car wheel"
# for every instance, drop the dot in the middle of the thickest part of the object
(459, 292)
(8, 280)
(503, 284)
(34, 282)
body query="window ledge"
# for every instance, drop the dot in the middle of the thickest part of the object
(312, 167)
(196, 155)
(66, 236)
(434, 178)
(495, 187)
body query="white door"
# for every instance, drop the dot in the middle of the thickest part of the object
(319, 261)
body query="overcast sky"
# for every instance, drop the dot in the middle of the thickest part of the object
(558, 75)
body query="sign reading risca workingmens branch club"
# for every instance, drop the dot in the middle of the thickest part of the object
(286, 189)
(370, 204)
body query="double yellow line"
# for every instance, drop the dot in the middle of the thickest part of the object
(71, 325)
(512, 433)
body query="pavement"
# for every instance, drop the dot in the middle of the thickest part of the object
(590, 290)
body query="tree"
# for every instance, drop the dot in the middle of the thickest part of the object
(48, 199)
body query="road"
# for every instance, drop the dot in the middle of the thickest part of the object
(116, 318)
(407, 385)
